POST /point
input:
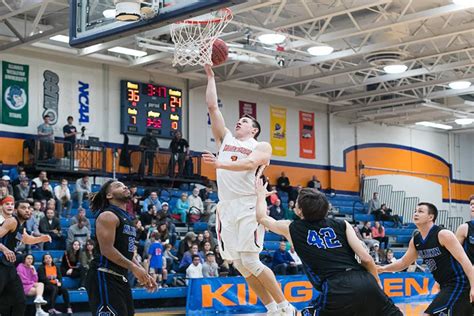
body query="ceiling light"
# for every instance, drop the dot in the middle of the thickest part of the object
(464, 121)
(109, 13)
(60, 38)
(434, 125)
(395, 69)
(271, 38)
(321, 50)
(127, 51)
(468, 3)
(458, 85)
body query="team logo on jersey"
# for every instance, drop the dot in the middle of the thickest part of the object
(234, 158)
(105, 311)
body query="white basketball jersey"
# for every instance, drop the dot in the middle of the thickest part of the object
(235, 184)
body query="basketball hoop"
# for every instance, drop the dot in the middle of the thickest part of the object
(193, 38)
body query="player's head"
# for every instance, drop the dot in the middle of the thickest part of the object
(471, 204)
(425, 212)
(23, 210)
(8, 205)
(112, 190)
(311, 205)
(247, 126)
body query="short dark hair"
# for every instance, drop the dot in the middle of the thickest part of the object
(313, 204)
(69, 117)
(17, 203)
(45, 181)
(196, 256)
(45, 116)
(255, 124)
(432, 210)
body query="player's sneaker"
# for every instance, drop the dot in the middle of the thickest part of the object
(290, 310)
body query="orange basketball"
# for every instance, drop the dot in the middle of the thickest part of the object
(220, 52)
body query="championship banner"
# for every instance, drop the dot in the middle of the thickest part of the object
(247, 108)
(307, 139)
(278, 130)
(232, 295)
(14, 94)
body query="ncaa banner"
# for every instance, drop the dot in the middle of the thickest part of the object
(14, 94)
(247, 108)
(307, 139)
(278, 130)
(232, 295)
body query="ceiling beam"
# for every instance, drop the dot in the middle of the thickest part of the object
(34, 38)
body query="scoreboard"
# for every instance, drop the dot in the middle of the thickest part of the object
(153, 107)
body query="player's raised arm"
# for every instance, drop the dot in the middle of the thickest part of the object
(217, 120)
(259, 157)
(279, 227)
(408, 258)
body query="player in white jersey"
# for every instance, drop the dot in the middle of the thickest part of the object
(240, 236)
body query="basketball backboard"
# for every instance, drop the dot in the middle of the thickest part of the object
(93, 21)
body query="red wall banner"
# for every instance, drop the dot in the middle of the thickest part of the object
(249, 108)
(307, 139)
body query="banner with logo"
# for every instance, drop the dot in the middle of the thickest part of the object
(14, 94)
(51, 96)
(307, 139)
(247, 108)
(278, 130)
(232, 295)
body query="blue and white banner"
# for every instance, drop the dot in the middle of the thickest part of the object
(232, 295)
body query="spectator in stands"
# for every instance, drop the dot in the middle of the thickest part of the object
(205, 193)
(290, 211)
(378, 233)
(314, 183)
(194, 270)
(389, 257)
(187, 258)
(149, 216)
(387, 216)
(140, 237)
(293, 195)
(29, 278)
(32, 225)
(71, 264)
(23, 191)
(366, 233)
(210, 269)
(70, 133)
(43, 192)
(283, 263)
(133, 205)
(149, 147)
(163, 234)
(283, 183)
(297, 260)
(83, 190)
(78, 232)
(171, 259)
(271, 199)
(277, 211)
(182, 207)
(81, 214)
(186, 243)
(6, 182)
(87, 254)
(63, 199)
(374, 205)
(155, 258)
(50, 225)
(51, 276)
(164, 215)
(14, 173)
(378, 254)
(46, 139)
(179, 151)
(152, 199)
(223, 265)
(39, 180)
(15, 182)
(206, 247)
(207, 237)
(195, 202)
(3, 191)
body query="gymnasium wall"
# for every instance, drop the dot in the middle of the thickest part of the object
(340, 145)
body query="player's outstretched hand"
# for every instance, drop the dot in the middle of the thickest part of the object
(210, 158)
(209, 71)
(151, 285)
(380, 269)
(260, 188)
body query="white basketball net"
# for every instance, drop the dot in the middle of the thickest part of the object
(193, 38)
